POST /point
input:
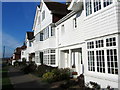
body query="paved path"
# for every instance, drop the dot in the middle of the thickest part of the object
(21, 80)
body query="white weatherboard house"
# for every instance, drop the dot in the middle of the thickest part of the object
(47, 14)
(86, 39)
(28, 53)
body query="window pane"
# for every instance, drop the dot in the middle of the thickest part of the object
(88, 7)
(112, 61)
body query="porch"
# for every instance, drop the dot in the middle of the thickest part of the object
(72, 58)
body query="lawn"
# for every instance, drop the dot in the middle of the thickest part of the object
(6, 84)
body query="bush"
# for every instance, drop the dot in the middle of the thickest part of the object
(65, 73)
(23, 61)
(49, 77)
(81, 80)
(42, 69)
(16, 63)
(58, 74)
(29, 68)
(61, 74)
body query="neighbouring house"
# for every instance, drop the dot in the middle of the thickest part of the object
(28, 53)
(47, 14)
(23, 52)
(17, 54)
(83, 35)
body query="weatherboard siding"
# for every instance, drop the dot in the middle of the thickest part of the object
(48, 17)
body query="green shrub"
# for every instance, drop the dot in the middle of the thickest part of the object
(42, 69)
(49, 77)
(16, 63)
(65, 73)
(58, 74)
(23, 62)
(29, 68)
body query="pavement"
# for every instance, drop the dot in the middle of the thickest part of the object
(20, 80)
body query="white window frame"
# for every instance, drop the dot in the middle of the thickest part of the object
(107, 3)
(43, 15)
(105, 48)
(91, 60)
(97, 5)
(47, 57)
(88, 5)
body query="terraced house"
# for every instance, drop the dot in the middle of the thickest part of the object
(83, 35)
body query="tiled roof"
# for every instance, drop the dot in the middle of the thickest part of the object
(56, 7)
(30, 35)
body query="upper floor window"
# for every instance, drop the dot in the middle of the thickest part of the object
(88, 5)
(39, 20)
(107, 2)
(41, 36)
(43, 15)
(52, 31)
(75, 23)
(46, 33)
(97, 5)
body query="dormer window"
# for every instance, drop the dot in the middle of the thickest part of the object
(38, 20)
(43, 15)
(107, 2)
(97, 5)
(88, 5)
(93, 6)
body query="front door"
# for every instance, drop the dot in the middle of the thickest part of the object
(77, 61)
(80, 64)
(41, 57)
